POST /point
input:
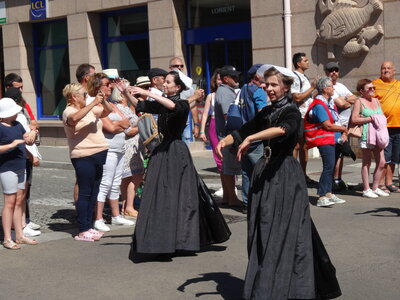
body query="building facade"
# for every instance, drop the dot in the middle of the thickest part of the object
(135, 35)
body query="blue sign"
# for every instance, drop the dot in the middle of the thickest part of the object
(38, 9)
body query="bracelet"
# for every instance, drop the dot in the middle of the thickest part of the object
(196, 124)
(202, 132)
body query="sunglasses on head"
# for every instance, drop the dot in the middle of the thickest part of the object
(177, 66)
(333, 70)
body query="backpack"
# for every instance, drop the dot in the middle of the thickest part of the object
(243, 109)
(148, 132)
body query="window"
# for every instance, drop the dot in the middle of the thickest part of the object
(51, 67)
(125, 42)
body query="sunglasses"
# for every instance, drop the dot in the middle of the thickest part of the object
(177, 66)
(333, 70)
(370, 89)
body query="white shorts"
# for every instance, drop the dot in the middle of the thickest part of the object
(11, 181)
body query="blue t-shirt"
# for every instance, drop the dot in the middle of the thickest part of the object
(260, 99)
(319, 115)
(13, 159)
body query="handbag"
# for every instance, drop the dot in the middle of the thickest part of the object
(354, 131)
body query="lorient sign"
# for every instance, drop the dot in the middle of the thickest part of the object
(39, 9)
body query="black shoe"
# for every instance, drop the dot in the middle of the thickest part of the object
(244, 210)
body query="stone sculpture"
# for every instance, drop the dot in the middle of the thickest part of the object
(345, 25)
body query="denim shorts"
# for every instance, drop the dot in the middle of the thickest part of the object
(11, 181)
(392, 151)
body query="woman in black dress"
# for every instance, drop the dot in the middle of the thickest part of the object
(170, 216)
(280, 244)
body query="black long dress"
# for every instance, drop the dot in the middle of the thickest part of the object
(280, 245)
(171, 215)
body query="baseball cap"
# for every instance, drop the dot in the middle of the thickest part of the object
(156, 72)
(228, 70)
(331, 65)
(253, 69)
(8, 108)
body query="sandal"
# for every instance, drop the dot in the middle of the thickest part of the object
(384, 188)
(26, 241)
(392, 188)
(11, 245)
(131, 214)
(85, 237)
(96, 234)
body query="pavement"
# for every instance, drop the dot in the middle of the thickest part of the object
(361, 236)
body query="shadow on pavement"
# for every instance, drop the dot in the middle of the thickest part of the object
(228, 286)
(67, 218)
(378, 212)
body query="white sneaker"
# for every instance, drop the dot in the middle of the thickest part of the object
(324, 201)
(33, 226)
(236, 191)
(120, 220)
(379, 192)
(219, 193)
(30, 232)
(370, 194)
(336, 199)
(101, 225)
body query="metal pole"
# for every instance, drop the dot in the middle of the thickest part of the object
(287, 15)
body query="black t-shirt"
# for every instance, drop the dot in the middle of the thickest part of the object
(13, 159)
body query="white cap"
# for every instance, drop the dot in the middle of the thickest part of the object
(285, 71)
(8, 108)
(185, 79)
(111, 73)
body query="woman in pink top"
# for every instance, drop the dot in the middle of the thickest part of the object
(88, 151)
(363, 109)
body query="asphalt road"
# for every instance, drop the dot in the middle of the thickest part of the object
(361, 236)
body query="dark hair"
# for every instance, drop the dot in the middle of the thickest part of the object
(362, 83)
(177, 80)
(297, 57)
(82, 71)
(10, 78)
(286, 80)
(213, 81)
(94, 83)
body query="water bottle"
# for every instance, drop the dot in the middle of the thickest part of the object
(340, 141)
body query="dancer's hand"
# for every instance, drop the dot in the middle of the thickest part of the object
(221, 145)
(243, 147)
(203, 137)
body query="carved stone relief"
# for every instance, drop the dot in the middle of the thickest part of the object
(345, 25)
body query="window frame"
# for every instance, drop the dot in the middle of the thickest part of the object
(37, 72)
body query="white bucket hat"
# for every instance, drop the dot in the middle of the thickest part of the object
(8, 108)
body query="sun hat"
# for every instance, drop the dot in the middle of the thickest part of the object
(111, 73)
(142, 80)
(8, 108)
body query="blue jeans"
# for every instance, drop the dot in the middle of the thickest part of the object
(187, 134)
(327, 153)
(248, 162)
(89, 171)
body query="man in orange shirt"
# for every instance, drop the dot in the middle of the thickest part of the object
(387, 90)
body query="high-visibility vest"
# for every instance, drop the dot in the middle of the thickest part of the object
(314, 133)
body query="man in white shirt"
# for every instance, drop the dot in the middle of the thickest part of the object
(302, 93)
(344, 99)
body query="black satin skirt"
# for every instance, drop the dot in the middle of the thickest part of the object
(286, 255)
(177, 211)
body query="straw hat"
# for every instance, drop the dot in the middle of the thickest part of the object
(8, 108)
(142, 80)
